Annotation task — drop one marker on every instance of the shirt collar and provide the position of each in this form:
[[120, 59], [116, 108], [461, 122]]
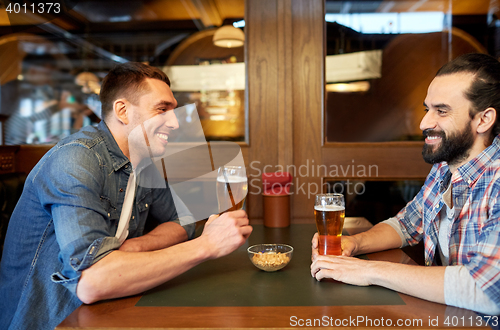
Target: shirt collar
[[119, 159], [445, 176], [472, 170]]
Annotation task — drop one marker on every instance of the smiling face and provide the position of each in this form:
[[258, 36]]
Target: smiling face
[[447, 125], [151, 121]]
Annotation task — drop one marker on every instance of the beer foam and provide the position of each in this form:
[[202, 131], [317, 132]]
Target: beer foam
[[329, 208], [231, 179]]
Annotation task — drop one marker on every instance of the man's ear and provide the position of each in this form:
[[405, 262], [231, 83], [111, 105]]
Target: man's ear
[[487, 119], [120, 110]]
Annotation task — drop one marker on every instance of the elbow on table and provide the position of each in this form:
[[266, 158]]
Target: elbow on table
[[493, 309], [86, 294], [89, 290]]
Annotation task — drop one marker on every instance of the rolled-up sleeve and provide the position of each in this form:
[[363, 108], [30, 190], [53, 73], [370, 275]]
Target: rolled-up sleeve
[[394, 223], [96, 251], [483, 258], [461, 290]]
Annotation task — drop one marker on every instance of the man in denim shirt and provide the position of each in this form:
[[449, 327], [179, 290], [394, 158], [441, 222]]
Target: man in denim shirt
[[61, 248], [457, 211]]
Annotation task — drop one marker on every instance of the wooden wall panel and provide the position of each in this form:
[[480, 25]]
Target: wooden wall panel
[[285, 76], [262, 58], [375, 161], [284, 56], [29, 155], [308, 99]]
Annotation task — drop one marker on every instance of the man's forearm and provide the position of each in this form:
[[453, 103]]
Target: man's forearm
[[163, 236], [121, 274], [380, 237], [418, 281]]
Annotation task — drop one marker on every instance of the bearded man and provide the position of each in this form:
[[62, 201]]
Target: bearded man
[[457, 211]]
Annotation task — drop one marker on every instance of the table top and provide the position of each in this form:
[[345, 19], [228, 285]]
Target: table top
[[231, 293]]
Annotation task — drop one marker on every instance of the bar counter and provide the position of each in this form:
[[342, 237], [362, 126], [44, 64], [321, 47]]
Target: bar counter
[[230, 292]]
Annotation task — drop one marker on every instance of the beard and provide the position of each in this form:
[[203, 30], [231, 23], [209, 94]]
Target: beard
[[453, 148]]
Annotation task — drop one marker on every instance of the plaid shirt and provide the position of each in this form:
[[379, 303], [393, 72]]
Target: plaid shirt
[[475, 233]]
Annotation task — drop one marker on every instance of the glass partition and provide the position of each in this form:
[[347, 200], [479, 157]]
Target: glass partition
[[382, 55], [51, 67], [213, 78]]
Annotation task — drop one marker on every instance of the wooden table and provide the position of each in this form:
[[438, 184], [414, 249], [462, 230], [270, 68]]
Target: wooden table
[[198, 312]]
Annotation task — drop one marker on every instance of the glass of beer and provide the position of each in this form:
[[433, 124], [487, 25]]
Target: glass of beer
[[232, 186], [329, 213]]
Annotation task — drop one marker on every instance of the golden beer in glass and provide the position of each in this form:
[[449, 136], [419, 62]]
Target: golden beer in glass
[[329, 213], [232, 187]]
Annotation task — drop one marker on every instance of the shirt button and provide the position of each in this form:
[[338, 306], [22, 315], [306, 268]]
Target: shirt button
[[109, 215], [469, 181], [146, 205], [126, 166], [121, 189], [133, 217]]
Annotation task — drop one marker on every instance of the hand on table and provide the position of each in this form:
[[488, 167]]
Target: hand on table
[[225, 233], [344, 269]]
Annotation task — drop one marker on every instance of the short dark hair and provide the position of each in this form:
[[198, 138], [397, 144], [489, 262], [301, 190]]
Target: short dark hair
[[127, 80], [484, 91]]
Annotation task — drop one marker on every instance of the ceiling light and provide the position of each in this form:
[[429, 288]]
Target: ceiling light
[[357, 66], [357, 86], [83, 78], [214, 77], [88, 80], [228, 36]]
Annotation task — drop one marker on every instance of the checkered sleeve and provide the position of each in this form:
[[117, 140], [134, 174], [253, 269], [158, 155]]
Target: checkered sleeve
[[410, 217], [484, 258]]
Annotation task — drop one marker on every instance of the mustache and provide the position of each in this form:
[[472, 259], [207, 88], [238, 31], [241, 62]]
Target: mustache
[[431, 132]]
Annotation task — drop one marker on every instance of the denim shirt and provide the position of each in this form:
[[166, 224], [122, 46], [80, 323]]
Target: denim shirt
[[65, 221]]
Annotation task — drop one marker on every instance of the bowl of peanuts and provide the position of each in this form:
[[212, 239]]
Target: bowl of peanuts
[[270, 257]]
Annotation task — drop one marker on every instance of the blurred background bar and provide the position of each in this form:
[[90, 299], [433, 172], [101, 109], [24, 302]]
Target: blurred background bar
[[329, 91]]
